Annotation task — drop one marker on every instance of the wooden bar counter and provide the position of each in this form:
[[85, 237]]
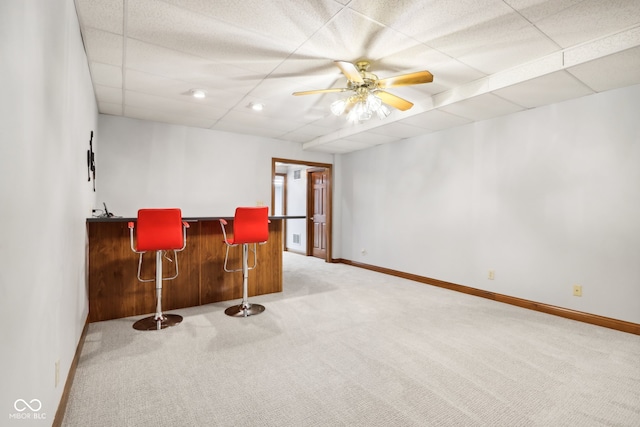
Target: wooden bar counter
[[115, 292]]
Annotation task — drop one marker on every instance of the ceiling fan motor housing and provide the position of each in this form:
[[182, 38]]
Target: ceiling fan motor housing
[[370, 79]]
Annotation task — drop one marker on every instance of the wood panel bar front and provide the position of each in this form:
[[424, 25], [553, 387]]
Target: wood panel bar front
[[115, 292]]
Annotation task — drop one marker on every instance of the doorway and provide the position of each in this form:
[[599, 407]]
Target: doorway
[[309, 196]]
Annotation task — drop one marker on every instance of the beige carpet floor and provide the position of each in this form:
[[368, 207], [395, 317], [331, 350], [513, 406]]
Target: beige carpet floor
[[343, 346]]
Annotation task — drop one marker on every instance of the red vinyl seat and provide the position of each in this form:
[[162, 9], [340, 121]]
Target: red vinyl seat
[[250, 227], [159, 230]]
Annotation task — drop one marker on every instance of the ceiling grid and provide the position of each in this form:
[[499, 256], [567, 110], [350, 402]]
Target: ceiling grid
[[488, 58]]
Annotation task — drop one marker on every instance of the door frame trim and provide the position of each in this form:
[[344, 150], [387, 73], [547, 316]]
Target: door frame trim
[[309, 166]]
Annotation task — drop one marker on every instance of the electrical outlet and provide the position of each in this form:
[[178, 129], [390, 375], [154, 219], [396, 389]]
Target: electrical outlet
[[492, 274], [577, 290], [57, 373]]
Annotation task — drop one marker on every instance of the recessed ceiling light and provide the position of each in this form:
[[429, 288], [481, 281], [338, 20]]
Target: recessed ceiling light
[[198, 93], [256, 106]]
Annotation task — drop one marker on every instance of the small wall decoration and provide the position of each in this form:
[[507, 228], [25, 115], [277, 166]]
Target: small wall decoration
[[91, 163]]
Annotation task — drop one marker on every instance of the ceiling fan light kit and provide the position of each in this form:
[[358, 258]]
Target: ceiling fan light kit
[[368, 97], [361, 108]]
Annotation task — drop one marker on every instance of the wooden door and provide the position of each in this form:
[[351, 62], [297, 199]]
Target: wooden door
[[317, 236]]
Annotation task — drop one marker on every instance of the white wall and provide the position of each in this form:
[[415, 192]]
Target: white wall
[[47, 113], [203, 172], [547, 198]]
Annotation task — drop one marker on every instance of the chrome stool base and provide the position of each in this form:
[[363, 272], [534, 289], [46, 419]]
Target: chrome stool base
[[151, 324], [244, 310]]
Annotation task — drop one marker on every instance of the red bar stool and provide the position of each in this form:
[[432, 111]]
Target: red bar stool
[[159, 230], [250, 226]]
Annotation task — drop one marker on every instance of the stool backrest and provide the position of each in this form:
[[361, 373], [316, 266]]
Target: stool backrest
[[251, 225], [159, 229]]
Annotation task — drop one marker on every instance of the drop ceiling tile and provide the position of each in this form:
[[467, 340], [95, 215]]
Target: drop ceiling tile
[[103, 47], [506, 50], [108, 108], [484, 35], [351, 36], [307, 133], [256, 119], [179, 90], [163, 24], [160, 61], [315, 107], [439, 18], [330, 121], [482, 107], [108, 94], [590, 19], [277, 110], [496, 44], [171, 106], [312, 130], [309, 67], [460, 93], [610, 72], [297, 83], [602, 47], [320, 116], [105, 15], [446, 70], [311, 109], [266, 17], [299, 137], [399, 14], [106, 75], [536, 10], [162, 86], [166, 117], [551, 88]]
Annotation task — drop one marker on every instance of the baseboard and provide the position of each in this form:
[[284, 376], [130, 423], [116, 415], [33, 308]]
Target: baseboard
[[606, 322], [62, 406]]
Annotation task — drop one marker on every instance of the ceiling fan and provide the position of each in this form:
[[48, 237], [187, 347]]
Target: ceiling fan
[[368, 94]]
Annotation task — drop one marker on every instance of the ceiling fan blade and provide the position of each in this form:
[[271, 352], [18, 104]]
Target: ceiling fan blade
[[393, 100], [406, 79], [313, 92], [350, 71]]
